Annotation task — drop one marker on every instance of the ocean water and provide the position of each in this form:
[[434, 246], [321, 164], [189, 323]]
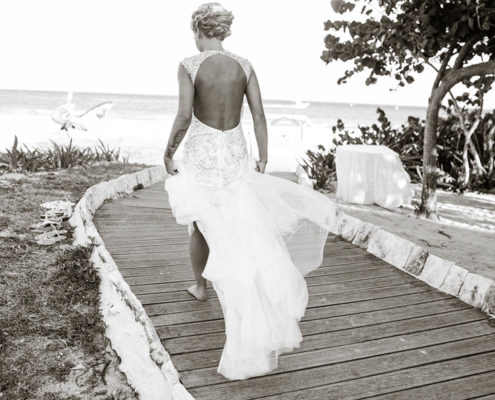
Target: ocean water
[[140, 124]]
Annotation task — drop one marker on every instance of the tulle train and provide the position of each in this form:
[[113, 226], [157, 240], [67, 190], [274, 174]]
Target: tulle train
[[264, 233]]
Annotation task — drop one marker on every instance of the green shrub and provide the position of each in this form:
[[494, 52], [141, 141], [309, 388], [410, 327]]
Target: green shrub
[[407, 141]]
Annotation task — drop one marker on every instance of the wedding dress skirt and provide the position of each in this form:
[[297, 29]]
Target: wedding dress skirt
[[264, 234]]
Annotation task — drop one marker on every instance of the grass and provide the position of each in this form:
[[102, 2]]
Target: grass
[[56, 156], [52, 343]]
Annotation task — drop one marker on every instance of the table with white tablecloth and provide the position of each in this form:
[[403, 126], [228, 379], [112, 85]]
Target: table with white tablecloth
[[368, 174]]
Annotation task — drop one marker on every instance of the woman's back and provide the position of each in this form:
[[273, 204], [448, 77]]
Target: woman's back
[[220, 79]]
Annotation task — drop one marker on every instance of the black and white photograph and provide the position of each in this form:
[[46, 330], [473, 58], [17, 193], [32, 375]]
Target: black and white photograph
[[289, 200]]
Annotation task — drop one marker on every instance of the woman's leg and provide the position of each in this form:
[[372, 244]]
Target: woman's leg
[[198, 250]]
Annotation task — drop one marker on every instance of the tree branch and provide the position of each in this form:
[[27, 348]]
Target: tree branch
[[443, 67], [464, 52]]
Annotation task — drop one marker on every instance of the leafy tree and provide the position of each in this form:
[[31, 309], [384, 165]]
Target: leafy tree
[[454, 37]]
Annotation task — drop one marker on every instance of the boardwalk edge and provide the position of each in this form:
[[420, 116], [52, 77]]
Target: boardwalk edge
[[144, 360], [441, 274]]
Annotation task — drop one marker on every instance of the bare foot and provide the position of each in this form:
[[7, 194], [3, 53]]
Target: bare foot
[[198, 292]]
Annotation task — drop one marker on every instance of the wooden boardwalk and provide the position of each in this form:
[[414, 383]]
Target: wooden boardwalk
[[370, 330]]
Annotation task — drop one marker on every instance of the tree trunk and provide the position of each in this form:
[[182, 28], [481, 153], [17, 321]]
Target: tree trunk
[[428, 206], [465, 149], [476, 158], [490, 146]]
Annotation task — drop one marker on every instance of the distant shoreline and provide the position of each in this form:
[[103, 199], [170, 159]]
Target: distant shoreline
[[267, 100]]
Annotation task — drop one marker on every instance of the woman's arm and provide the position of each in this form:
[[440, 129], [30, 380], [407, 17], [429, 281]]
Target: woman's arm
[[182, 119], [253, 95]]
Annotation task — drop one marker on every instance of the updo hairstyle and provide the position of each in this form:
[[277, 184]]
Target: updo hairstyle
[[212, 20]]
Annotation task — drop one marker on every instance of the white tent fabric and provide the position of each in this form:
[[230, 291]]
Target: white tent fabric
[[368, 174]]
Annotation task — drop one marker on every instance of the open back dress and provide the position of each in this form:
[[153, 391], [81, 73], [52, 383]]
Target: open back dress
[[264, 234]]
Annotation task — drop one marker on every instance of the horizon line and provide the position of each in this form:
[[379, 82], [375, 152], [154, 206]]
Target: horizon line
[[174, 95]]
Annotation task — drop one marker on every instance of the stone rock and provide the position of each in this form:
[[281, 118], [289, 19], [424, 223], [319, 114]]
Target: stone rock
[[157, 173], [300, 171], [488, 305], [390, 248], [333, 220], [363, 234], [474, 289], [143, 177], [179, 392], [435, 271], [348, 227], [305, 181], [170, 372], [416, 260], [454, 280]]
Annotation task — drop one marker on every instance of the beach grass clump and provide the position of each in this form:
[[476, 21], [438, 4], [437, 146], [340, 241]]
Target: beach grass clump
[[20, 158], [103, 152]]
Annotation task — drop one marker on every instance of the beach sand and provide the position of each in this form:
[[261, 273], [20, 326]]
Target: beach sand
[[465, 233]]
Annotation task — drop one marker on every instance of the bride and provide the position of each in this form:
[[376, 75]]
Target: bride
[[253, 235]]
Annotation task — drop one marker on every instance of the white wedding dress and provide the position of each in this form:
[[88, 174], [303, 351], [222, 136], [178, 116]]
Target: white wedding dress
[[264, 234]]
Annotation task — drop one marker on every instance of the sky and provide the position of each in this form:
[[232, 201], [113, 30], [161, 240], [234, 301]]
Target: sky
[[131, 46]]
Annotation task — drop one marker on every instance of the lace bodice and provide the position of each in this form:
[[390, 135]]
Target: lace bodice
[[191, 64], [215, 158]]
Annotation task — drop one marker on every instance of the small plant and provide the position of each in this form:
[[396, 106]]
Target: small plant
[[105, 153], [320, 166], [67, 156], [18, 159], [11, 157], [56, 156]]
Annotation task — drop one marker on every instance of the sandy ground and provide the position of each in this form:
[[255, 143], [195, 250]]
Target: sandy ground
[[465, 233]]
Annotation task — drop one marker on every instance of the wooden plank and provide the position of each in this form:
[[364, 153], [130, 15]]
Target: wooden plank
[[349, 252], [478, 386], [310, 372], [318, 297], [313, 312], [119, 240], [388, 382], [146, 243], [393, 281], [329, 262], [333, 338], [341, 352], [310, 281], [342, 268], [183, 247], [342, 322], [155, 261], [315, 300], [162, 248], [339, 277], [116, 207]]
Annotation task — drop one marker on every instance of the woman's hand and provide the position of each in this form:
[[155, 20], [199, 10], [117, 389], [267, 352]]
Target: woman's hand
[[260, 166], [169, 166]]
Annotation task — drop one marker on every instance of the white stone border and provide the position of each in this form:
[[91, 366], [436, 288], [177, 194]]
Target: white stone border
[[144, 360], [441, 274]]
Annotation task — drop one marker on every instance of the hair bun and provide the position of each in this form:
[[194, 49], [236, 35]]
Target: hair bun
[[212, 20]]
